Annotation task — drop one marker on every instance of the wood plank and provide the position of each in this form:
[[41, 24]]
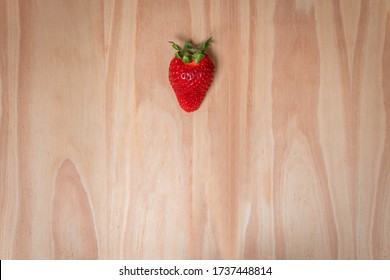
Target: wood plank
[[287, 158]]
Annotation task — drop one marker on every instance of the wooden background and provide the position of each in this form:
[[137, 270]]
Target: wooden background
[[287, 158]]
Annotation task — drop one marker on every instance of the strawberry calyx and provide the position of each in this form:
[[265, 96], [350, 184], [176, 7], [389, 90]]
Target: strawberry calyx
[[191, 52]]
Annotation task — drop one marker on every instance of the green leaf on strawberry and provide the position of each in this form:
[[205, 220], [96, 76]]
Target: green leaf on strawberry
[[198, 57], [187, 45], [190, 52]]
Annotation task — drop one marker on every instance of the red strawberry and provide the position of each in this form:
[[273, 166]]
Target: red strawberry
[[190, 74]]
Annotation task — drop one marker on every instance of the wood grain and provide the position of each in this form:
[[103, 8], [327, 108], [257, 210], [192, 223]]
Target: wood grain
[[287, 158]]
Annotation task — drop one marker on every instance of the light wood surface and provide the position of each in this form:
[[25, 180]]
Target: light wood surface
[[287, 158]]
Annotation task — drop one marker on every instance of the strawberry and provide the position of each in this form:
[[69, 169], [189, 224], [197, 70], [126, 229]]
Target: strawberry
[[190, 74]]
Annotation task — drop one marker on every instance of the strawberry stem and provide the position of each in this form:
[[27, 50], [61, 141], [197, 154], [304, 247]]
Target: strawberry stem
[[191, 52]]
